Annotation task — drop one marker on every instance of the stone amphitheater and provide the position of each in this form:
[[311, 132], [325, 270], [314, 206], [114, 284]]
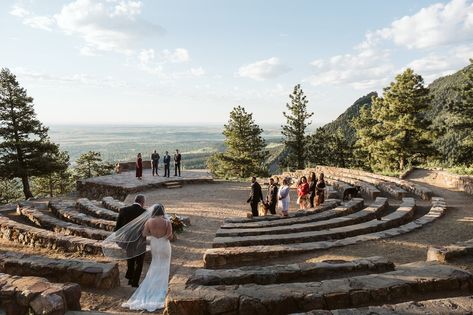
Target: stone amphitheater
[[403, 246]]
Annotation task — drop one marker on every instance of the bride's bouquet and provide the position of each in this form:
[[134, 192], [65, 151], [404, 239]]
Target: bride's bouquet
[[178, 224]]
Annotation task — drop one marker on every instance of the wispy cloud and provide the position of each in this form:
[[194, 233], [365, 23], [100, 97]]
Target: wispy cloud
[[264, 69]]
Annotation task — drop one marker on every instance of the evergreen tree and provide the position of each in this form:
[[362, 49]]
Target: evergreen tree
[[25, 149], [245, 148], [330, 149], [90, 164], [10, 190], [399, 133], [56, 183], [295, 139], [365, 137], [461, 119]]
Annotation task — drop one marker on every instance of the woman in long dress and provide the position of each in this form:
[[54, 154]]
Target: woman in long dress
[[151, 293], [283, 196], [139, 166]]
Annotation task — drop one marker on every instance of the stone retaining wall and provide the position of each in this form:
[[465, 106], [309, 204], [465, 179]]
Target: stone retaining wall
[[85, 273], [460, 182], [130, 166], [34, 295]]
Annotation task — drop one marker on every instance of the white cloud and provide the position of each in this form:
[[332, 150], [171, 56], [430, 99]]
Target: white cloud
[[103, 25], [197, 72], [264, 69], [177, 56]]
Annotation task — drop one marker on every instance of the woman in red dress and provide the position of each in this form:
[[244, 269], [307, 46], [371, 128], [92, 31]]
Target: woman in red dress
[[303, 193], [139, 166]]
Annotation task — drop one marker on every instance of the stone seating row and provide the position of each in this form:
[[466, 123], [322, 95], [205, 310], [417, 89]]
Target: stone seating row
[[113, 204], [65, 210], [369, 190], [402, 214], [450, 252], [36, 237], [328, 204], [343, 218], [409, 281], [348, 207], [220, 257], [302, 272], [452, 305], [89, 207], [34, 295], [421, 191], [48, 222], [339, 186], [86, 273]]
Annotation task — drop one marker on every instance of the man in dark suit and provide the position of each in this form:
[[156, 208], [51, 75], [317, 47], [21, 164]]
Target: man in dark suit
[[177, 163], [166, 161], [155, 161], [272, 197], [126, 215], [256, 196]]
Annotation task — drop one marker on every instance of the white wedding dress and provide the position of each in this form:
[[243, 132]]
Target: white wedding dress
[[151, 293]]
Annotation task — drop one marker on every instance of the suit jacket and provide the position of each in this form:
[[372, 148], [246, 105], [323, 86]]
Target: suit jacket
[[167, 159], [256, 194], [272, 194], [177, 158], [128, 214]]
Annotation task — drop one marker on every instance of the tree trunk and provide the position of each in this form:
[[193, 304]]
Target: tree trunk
[[26, 187], [401, 163]]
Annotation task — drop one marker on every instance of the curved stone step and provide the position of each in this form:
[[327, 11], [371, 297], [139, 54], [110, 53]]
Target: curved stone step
[[400, 216], [451, 305], [343, 218], [65, 210], [249, 222], [87, 206], [35, 237], [370, 190], [48, 222], [415, 280], [303, 272], [34, 295], [349, 207], [219, 257], [113, 204], [85, 273]]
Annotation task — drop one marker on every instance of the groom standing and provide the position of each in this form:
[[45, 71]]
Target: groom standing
[[126, 215]]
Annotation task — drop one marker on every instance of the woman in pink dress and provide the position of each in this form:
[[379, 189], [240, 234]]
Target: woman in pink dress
[[139, 166]]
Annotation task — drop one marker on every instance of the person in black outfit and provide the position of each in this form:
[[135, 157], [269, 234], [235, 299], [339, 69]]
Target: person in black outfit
[[167, 162], [256, 196], [177, 163], [155, 161], [126, 215], [312, 184], [272, 197]]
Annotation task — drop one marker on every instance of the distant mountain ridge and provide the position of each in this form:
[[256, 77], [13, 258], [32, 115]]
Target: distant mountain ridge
[[442, 90]]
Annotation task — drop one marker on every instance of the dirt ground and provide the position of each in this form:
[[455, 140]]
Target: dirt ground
[[208, 204]]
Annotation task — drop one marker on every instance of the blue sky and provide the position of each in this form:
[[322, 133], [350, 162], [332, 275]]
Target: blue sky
[[156, 62]]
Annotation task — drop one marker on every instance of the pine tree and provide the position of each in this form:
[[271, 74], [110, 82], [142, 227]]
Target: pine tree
[[245, 148], [399, 130], [90, 164], [461, 119], [295, 139], [56, 183], [318, 151], [365, 138], [25, 148], [10, 190]]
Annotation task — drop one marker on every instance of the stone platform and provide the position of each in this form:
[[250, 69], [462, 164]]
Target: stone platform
[[120, 185]]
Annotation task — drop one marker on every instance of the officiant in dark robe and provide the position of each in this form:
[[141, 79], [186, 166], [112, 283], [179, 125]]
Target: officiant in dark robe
[[126, 215]]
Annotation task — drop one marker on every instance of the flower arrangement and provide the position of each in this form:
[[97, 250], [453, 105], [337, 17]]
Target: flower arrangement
[[178, 224]]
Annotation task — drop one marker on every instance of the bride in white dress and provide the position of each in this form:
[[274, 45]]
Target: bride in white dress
[[151, 293]]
